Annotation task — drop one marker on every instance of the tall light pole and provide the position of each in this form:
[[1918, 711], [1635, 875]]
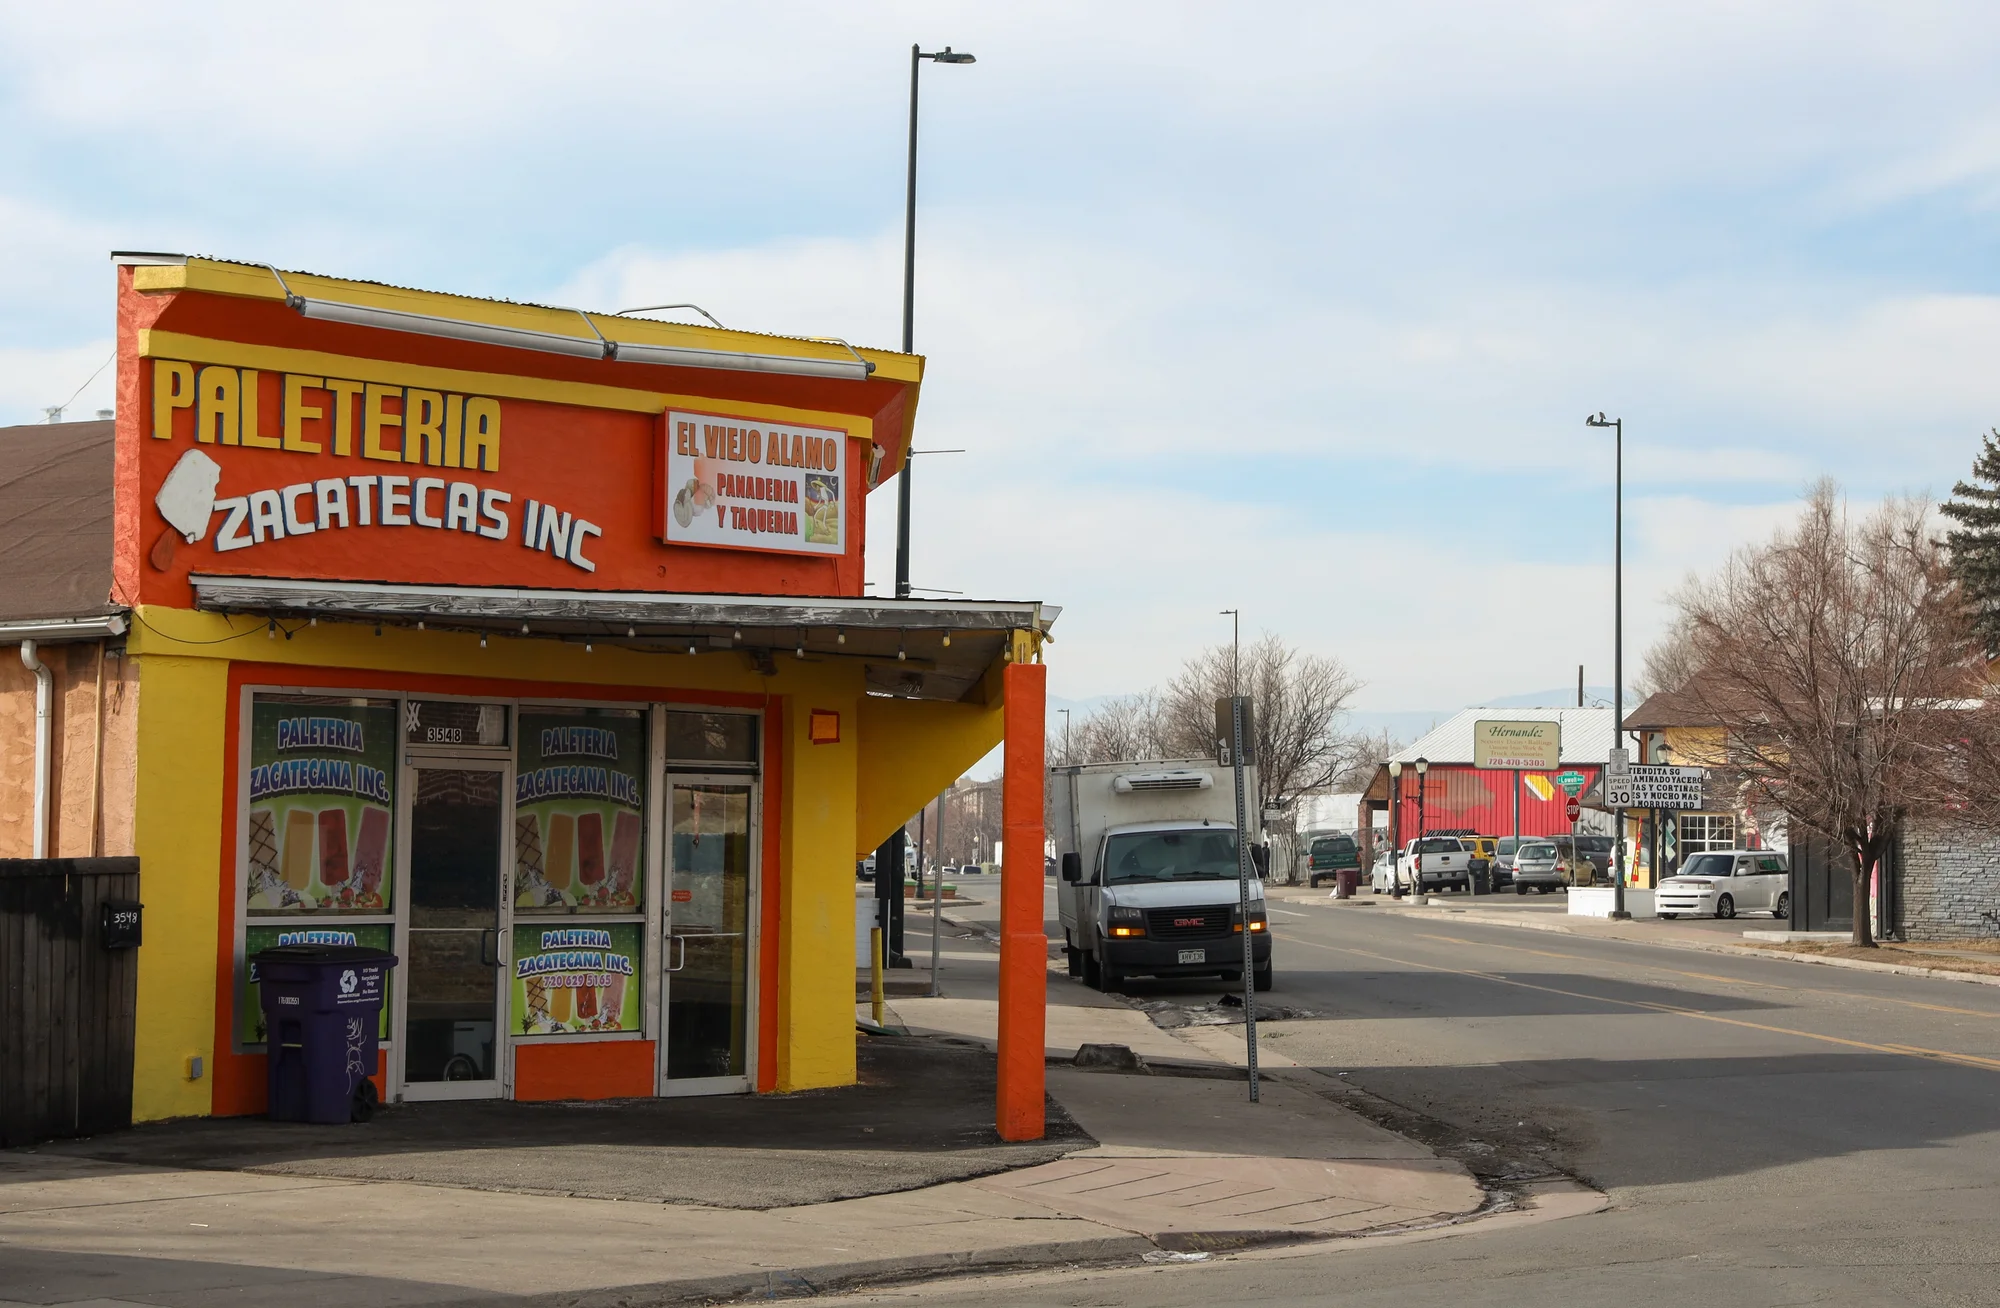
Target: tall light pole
[[917, 56], [1617, 426], [1395, 829], [1235, 617], [1066, 754]]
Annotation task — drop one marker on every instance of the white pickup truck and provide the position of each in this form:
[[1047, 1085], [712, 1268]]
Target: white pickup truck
[[1438, 863]]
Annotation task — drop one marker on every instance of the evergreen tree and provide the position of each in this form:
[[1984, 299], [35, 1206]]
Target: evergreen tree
[[1975, 543]]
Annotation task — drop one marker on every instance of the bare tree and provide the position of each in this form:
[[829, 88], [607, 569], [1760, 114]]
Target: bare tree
[[1123, 728], [1297, 698], [1364, 752], [1669, 662], [1841, 658]]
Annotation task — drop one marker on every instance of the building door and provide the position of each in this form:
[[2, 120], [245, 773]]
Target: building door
[[454, 952], [709, 955]]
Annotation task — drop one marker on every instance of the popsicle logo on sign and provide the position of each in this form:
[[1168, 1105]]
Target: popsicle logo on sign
[[578, 804], [744, 483], [321, 793]]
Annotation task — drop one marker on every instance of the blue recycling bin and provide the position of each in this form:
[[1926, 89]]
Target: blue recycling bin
[[322, 1019]]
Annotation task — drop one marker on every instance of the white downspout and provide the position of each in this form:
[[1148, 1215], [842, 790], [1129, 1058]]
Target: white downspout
[[44, 696]]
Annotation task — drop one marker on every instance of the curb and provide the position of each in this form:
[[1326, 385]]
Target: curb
[[1740, 951], [825, 1278]]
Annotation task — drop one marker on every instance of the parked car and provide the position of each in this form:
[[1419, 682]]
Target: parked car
[[1439, 863], [1723, 883], [1382, 874], [1329, 856], [1539, 866], [1588, 859], [1503, 859]]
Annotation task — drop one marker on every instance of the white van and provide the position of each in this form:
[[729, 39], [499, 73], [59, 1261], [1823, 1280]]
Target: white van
[[1725, 882]]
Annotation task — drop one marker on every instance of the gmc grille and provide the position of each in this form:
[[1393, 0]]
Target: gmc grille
[[1188, 923]]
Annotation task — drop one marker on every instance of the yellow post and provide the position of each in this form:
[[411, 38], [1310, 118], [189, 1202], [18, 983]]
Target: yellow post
[[875, 971]]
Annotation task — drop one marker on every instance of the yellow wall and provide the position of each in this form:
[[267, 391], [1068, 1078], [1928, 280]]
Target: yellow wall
[[911, 750], [177, 831], [816, 903], [892, 756]]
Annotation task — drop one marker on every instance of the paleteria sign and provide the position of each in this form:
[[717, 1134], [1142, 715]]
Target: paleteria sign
[[1535, 746]]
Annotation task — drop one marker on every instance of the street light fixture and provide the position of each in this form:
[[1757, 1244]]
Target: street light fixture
[[1617, 426], [917, 56], [1423, 765]]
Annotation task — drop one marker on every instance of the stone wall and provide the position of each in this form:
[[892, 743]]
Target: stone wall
[[1951, 883]]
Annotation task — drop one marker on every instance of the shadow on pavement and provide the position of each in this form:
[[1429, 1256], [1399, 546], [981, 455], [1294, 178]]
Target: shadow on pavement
[[923, 1114], [50, 1277], [1657, 1121]]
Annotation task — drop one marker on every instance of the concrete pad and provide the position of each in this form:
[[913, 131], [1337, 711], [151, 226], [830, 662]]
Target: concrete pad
[[1160, 1198], [1174, 1116]]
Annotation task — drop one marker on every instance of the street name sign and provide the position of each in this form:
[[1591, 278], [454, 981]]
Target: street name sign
[[1516, 745], [1652, 785], [1571, 781]]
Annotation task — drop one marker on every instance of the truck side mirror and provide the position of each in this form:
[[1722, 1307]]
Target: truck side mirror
[[1260, 858], [1072, 867]]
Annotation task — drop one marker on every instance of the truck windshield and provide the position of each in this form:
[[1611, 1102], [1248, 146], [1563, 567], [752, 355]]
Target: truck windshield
[[1199, 855]]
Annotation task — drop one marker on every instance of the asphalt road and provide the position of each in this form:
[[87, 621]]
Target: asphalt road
[[1768, 1132]]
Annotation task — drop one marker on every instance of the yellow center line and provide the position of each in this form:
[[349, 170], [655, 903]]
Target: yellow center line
[[1905, 1051], [1728, 980]]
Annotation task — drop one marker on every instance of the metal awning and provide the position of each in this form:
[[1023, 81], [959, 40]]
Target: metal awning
[[917, 649]]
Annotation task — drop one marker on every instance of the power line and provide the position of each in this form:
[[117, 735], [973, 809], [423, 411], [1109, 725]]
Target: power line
[[56, 413]]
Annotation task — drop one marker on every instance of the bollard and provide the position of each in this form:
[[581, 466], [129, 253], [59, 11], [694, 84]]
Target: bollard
[[875, 971]]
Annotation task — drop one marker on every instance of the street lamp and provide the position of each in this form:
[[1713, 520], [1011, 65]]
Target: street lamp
[[1617, 426], [1423, 765], [917, 56], [1395, 829]]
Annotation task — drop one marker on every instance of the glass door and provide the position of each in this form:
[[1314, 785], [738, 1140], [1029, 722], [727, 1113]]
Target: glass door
[[454, 956], [707, 957]]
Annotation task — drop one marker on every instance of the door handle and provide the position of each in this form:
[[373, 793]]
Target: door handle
[[682, 942], [489, 947]]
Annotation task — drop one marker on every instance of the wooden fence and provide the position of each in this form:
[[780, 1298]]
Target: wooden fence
[[66, 998]]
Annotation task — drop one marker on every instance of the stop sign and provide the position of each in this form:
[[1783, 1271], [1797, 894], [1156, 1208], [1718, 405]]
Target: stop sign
[[1572, 809]]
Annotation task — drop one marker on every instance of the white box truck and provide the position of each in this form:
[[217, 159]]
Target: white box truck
[[1147, 874]]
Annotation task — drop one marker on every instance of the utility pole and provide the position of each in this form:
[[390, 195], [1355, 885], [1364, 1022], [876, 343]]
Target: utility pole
[[1617, 426]]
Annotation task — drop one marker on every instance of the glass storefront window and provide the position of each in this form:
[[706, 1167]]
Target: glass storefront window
[[579, 811], [322, 777], [712, 739]]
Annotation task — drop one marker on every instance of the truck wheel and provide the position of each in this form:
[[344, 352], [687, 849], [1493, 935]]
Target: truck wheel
[[1073, 958], [1092, 975], [1520, 889], [1262, 977]]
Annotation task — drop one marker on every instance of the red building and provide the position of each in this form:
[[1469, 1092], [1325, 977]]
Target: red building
[[1490, 801]]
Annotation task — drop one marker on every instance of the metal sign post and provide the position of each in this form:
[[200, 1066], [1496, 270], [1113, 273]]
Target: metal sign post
[[1239, 712]]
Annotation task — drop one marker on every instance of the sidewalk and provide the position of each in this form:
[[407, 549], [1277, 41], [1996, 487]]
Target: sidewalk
[[664, 1202]]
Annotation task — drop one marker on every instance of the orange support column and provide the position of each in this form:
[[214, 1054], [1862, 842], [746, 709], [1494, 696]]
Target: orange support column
[[1024, 949]]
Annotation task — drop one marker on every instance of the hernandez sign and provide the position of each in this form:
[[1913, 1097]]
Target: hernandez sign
[[1517, 745], [766, 486]]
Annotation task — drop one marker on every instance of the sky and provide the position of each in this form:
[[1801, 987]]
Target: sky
[[1292, 309]]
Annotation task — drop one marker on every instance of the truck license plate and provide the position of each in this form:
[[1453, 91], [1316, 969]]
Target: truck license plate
[[1194, 956]]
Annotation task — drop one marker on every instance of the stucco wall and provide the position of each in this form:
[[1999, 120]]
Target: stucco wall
[[75, 758], [1951, 883]]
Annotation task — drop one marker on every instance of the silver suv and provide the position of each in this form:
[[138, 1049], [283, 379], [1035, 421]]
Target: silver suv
[[1538, 866]]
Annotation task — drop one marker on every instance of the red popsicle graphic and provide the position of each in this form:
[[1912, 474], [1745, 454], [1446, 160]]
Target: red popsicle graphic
[[590, 848], [370, 850], [624, 852], [333, 846]]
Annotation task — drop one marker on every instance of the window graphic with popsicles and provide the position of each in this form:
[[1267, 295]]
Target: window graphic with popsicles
[[579, 793], [569, 979], [320, 783]]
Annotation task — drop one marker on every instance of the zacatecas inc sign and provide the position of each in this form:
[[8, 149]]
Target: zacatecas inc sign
[[741, 483], [1516, 745]]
